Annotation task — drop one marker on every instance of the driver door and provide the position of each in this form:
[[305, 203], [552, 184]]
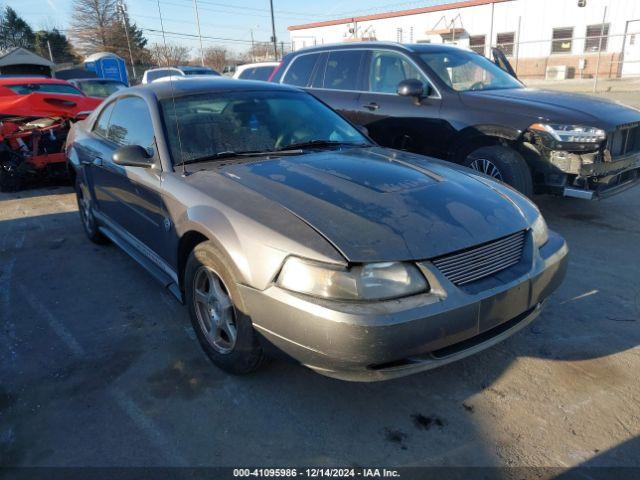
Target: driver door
[[131, 197], [395, 121]]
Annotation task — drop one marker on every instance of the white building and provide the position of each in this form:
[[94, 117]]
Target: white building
[[543, 38]]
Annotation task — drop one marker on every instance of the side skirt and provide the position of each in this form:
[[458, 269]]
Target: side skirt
[[141, 254]]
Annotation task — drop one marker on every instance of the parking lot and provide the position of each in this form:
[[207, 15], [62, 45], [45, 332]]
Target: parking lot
[[100, 367]]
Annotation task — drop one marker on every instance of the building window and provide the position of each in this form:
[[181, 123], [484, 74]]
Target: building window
[[505, 42], [562, 40], [476, 43], [593, 40], [399, 35]]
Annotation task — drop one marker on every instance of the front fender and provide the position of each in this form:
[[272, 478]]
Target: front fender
[[481, 135]]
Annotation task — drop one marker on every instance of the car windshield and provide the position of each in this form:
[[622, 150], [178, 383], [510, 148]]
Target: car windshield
[[207, 125], [27, 88], [465, 71], [101, 88]]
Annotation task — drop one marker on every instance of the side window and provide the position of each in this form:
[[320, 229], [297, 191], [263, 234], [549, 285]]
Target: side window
[[248, 74], [131, 123], [101, 127], [341, 72], [388, 69], [300, 70], [151, 76]]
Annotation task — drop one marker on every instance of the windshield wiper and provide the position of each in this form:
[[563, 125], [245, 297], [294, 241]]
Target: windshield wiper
[[232, 154], [324, 144]]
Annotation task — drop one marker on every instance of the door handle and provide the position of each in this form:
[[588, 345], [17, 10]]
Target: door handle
[[371, 106]]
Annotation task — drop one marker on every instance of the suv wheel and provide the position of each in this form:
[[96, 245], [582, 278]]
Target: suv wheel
[[89, 223], [218, 314], [504, 164]]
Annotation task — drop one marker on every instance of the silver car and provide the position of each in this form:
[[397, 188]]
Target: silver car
[[284, 228]]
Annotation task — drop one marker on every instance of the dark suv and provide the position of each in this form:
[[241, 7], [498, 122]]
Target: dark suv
[[454, 104]]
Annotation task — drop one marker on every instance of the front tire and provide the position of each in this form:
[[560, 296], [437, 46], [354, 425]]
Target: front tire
[[504, 164], [218, 314]]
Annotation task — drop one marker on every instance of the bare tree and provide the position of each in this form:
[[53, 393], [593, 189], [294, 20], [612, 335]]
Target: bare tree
[[92, 24], [216, 57], [169, 55]]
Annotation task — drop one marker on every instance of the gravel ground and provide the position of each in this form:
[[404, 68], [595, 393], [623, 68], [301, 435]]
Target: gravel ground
[[99, 367]]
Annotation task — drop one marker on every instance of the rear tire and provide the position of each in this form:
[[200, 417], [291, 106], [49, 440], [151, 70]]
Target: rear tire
[[504, 164], [218, 314], [89, 222]]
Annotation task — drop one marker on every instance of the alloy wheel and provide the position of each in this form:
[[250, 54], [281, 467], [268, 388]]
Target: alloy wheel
[[214, 310], [487, 167]]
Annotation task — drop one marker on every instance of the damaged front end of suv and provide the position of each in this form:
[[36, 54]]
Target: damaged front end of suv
[[582, 161]]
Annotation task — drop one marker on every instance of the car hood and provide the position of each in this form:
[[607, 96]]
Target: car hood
[[375, 204], [553, 106]]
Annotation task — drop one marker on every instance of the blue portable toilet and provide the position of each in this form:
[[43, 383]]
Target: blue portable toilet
[[107, 65]]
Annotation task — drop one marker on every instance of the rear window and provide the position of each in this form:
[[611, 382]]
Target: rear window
[[300, 70], [341, 72], [256, 73], [200, 71], [28, 88], [156, 74]]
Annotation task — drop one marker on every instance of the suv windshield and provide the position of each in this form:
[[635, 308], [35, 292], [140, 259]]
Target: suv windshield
[[465, 71], [207, 125]]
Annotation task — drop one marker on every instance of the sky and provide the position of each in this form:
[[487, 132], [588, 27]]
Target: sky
[[230, 22]]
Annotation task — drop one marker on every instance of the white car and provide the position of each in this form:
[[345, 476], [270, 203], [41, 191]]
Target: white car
[[154, 74], [255, 71]]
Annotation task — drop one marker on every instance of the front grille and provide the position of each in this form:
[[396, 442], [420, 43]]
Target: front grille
[[479, 262], [625, 140]]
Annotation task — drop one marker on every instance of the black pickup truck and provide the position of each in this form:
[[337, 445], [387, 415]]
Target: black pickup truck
[[457, 105]]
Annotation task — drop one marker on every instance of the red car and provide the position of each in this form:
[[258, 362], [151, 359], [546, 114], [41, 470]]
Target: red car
[[35, 114]]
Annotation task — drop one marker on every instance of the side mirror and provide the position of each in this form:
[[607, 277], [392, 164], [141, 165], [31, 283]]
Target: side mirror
[[412, 87], [132, 156]]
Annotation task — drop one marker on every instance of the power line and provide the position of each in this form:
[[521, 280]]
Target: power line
[[208, 37]]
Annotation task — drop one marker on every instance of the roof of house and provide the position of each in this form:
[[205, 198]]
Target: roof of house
[[22, 56], [398, 13]]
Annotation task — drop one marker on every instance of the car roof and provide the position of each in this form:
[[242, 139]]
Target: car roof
[[23, 80], [192, 86], [407, 47], [259, 64]]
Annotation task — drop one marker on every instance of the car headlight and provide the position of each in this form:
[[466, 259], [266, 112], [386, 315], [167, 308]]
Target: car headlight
[[540, 231], [570, 133], [373, 281]]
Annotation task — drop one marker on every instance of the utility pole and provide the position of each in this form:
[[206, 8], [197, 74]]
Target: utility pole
[[50, 54], [195, 7], [122, 12], [273, 32], [595, 77], [253, 47]]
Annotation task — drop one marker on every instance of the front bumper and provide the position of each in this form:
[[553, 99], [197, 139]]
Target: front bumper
[[596, 179], [382, 340]]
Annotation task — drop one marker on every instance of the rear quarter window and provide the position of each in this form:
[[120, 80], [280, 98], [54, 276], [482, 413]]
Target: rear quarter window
[[300, 70]]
